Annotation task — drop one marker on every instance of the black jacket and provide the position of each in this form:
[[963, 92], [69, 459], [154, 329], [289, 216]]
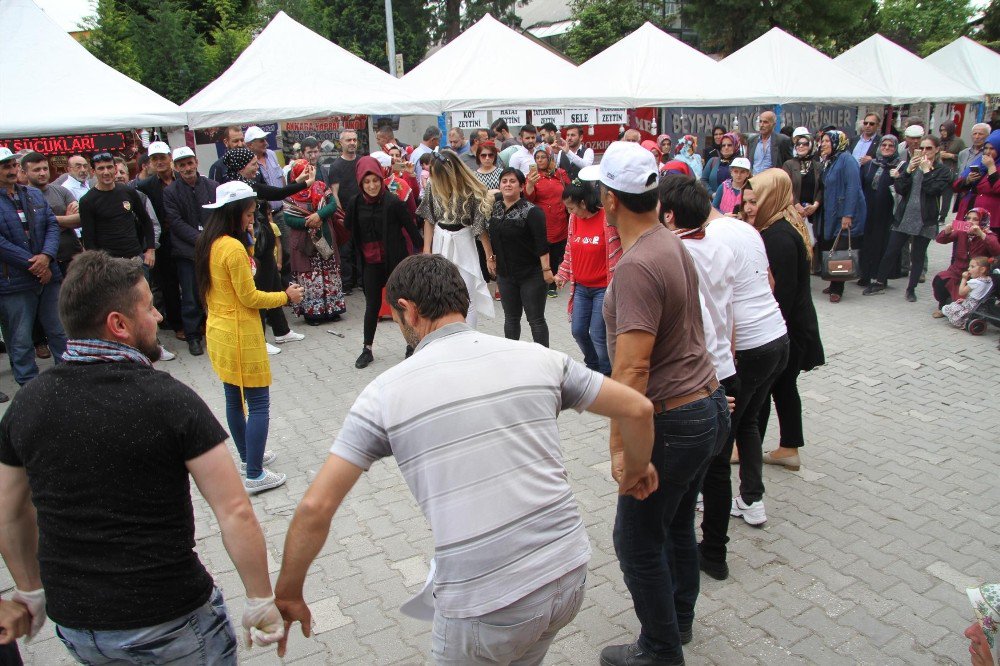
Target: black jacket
[[935, 182], [393, 218], [781, 149], [185, 215]]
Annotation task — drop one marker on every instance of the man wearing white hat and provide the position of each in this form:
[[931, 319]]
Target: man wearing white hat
[[657, 345], [183, 200]]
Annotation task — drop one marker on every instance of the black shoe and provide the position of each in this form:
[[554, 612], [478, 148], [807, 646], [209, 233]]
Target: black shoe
[[348, 291], [196, 346], [409, 351], [365, 358], [716, 570], [874, 289], [633, 655], [313, 322], [552, 293], [334, 317], [910, 296], [4, 397], [687, 635], [863, 282]]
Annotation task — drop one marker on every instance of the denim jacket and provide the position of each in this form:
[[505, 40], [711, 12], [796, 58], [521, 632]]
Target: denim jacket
[[17, 248], [843, 196]]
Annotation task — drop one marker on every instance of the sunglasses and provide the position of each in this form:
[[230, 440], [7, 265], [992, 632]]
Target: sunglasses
[[868, 123], [802, 143], [102, 157], [487, 154], [927, 147]]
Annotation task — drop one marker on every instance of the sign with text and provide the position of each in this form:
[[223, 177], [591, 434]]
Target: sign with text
[[70, 144], [581, 116], [470, 119], [327, 131], [699, 122], [612, 116], [210, 135], [513, 117], [541, 116]]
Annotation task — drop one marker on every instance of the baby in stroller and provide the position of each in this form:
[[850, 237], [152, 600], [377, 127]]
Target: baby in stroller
[[976, 289]]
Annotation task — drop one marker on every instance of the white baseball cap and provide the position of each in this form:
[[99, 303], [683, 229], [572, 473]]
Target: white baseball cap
[[182, 152], [229, 192], [914, 132], [253, 133], [801, 131], [384, 159], [740, 163], [158, 148], [5, 154], [626, 167]]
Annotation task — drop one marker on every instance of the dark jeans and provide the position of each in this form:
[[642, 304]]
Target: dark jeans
[[17, 319], [268, 279], [588, 327], [375, 277], [191, 313], [9, 655], [654, 538], [788, 405], [249, 430], [756, 371], [941, 293], [526, 295], [827, 244], [164, 273], [918, 253], [350, 271], [556, 253]]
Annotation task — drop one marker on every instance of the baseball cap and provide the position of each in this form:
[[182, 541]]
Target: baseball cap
[[914, 132], [182, 152], [740, 163], [230, 192], [158, 148], [384, 159], [5, 154], [801, 131], [253, 133], [626, 167]]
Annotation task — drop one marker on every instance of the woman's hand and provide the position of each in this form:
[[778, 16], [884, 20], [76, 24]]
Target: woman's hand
[[915, 162], [977, 231], [926, 164], [491, 265], [973, 177], [947, 229], [295, 293], [560, 283], [314, 221], [810, 209], [989, 163], [845, 223]]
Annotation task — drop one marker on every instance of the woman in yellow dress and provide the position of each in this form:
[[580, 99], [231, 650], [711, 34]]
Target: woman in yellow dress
[[224, 266]]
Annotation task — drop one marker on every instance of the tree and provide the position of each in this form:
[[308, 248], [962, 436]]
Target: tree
[[109, 38], [601, 23], [172, 56], [924, 25], [450, 17]]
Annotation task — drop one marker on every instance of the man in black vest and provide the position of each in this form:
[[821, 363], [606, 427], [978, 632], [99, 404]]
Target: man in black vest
[[573, 155]]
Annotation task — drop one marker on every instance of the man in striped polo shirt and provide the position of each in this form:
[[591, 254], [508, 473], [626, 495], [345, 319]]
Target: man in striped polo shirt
[[471, 420]]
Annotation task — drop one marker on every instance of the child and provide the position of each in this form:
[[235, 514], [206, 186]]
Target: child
[[972, 290]]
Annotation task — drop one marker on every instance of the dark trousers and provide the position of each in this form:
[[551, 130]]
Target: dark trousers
[[654, 538], [873, 248], [756, 370], [788, 405], [556, 253], [525, 295], [9, 655], [350, 270], [164, 274], [941, 293], [286, 253], [375, 277], [192, 314], [918, 253], [268, 279], [827, 245]]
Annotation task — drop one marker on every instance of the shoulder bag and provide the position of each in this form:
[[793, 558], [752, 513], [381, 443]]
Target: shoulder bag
[[840, 265]]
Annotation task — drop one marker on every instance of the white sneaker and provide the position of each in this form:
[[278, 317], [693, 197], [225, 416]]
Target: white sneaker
[[166, 355], [271, 349], [753, 514], [291, 336], [269, 457], [266, 482], [699, 506]]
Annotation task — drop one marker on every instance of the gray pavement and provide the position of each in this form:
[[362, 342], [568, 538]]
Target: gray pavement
[[863, 559]]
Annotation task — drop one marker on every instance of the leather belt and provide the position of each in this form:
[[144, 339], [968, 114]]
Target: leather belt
[[660, 406]]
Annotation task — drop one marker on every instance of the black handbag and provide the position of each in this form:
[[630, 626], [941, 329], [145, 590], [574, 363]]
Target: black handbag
[[840, 265]]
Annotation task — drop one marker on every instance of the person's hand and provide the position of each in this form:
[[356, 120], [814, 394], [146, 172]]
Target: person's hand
[[45, 277], [973, 177], [800, 209], [310, 175], [926, 164], [533, 177], [34, 601], [491, 265], [640, 486], [845, 223], [965, 275], [293, 610], [915, 162], [731, 403], [262, 621], [548, 277], [314, 221], [865, 160], [295, 293], [38, 264], [15, 621], [947, 228], [811, 208], [977, 231], [989, 163], [149, 257], [560, 283], [72, 208]]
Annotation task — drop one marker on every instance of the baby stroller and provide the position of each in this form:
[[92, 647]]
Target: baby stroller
[[988, 310]]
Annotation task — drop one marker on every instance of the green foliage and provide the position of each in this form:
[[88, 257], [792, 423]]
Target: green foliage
[[601, 23], [109, 38], [448, 18], [924, 25], [991, 24], [172, 55]]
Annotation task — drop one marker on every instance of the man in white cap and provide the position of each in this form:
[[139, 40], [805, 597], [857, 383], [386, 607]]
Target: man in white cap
[[183, 200], [656, 340]]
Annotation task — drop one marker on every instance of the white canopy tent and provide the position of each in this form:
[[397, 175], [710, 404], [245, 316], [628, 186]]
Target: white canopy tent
[[904, 76], [260, 86], [971, 63], [86, 94], [464, 75], [789, 70], [652, 68]]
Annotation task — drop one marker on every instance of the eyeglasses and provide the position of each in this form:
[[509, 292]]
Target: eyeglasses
[[102, 157], [867, 122], [802, 143], [927, 147], [487, 154]]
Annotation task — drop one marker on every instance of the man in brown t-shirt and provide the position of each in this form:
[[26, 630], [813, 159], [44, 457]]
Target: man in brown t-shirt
[[657, 345]]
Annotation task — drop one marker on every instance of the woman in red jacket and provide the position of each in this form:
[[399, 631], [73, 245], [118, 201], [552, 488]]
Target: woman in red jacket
[[544, 188], [978, 185], [973, 239]]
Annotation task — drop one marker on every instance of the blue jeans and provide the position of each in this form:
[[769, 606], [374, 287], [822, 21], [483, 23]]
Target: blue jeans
[[249, 431], [203, 637], [654, 538], [589, 329], [191, 313], [17, 317]]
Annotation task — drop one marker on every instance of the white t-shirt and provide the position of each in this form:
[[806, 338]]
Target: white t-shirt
[[522, 159], [757, 317], [978, 288], [716, 267]]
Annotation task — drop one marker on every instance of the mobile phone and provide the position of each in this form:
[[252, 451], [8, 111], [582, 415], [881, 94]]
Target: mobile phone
[[961, 226], [532, 167], [398, 166]]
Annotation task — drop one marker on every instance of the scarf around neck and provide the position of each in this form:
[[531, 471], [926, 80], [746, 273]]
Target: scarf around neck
[[94, 350]]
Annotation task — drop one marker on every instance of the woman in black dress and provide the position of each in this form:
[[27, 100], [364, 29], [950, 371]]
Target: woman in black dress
[[876, 181]]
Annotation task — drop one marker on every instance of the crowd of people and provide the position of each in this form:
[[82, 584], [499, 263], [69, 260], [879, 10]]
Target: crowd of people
[[688, 276]]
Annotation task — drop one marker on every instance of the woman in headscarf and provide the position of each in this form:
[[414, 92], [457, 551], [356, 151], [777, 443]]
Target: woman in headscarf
[[455, 207], [665, 144], [377, 220], [978, 185], [768, 206], [974, 239], [241, 165], [653, 148], [919, 184], [716, 169], [713, 148], [844, 208], [806, 173], [309, 215], [544, 188], [876, 181], [687, 152]]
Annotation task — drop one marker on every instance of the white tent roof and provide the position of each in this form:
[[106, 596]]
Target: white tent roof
[[971, 63], [85, 94], [792, 71], [653, 68], [904, 76], [260, 85], [464, 74]]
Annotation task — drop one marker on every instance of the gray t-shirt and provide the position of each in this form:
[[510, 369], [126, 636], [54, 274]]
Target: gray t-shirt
[[69, 242], [471, 420]]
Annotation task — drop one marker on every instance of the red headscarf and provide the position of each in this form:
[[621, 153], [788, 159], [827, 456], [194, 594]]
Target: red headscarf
[[676, 166], [369, 165], [312, 195]]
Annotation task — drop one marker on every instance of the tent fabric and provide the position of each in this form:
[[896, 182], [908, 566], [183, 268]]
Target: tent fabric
[[904, 76], [969, 62], [85, 94], [790, 70], [652, 68], [260, 86]]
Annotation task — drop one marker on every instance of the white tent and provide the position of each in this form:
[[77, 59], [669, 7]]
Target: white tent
[[904, 76], [652, 68], [289, 73], [789, 70], [971, 63], [490, 66], [50, 84]]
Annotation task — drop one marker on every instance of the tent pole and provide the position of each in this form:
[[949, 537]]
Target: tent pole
[[390, 35]]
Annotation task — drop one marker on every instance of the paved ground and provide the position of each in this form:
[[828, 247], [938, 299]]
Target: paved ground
[[863, 559]]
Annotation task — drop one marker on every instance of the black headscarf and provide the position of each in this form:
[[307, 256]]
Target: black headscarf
[[236, 159]]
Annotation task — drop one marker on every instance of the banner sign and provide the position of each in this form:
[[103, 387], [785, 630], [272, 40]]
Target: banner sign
[[208, 135], [612, 116], [513, 117], [581, 116], [470, 119], [541, 116], [699, 122], [69, 144], [327, 131]]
